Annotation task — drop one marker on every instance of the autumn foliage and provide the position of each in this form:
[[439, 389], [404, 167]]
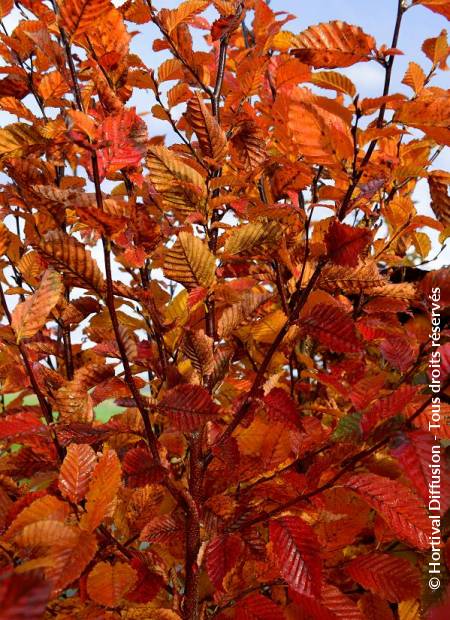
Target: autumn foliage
[[239, 271]]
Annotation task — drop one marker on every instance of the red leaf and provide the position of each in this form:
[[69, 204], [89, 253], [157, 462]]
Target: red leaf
[[388, 407], [188, 407], [281, 408], [402, 510], [393, 578], [258, 607], [295, 550], [332, 327], [140, 469], [346, 243], [222, 554], [399, 352], [148, 583], [19, 424], [24, 596], [123, 142], [413, 452]]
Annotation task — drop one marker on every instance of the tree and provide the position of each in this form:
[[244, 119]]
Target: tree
[[271, 361]]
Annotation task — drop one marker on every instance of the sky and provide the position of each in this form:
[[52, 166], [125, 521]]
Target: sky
[[375, 17]]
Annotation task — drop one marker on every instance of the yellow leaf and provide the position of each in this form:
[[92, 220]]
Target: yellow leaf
[[180, 185], [107, 584], [334, 81], [268, 327], [30, 316], [190, 262], [249, 236], [18, 138], [409, 610]]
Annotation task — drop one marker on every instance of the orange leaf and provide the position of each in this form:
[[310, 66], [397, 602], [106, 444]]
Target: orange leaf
[[107, 584], [76, 470], [333, 44], [78, 16], [102, 491], [31, 315]]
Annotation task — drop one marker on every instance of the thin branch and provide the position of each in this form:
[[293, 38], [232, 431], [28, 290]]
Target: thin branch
[[387, 82]]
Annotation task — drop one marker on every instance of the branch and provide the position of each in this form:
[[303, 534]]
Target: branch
[[387, 82]]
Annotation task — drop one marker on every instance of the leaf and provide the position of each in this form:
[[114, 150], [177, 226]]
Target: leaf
[[334, 81], [437, 6], [17, 424], [6, 6], [188, 407], [180, 185], [183, 13], [75, 472], [79, 16], [295, 550], [388, 406], [198, 347], [160, 529], [402, 510], [24, 596], [437, 50], [65, 564], [439, 182], [346, 243], [399, 352], [321, 136], [409, 610], [52, 87], [31, 315], [341, 605], [414, 77], [125, 137], [281, 408], [47, 507], [247, 237], [332, 327], [102, 491], [412, 451], [211, 137], [222, 555], [393, 578], [190, 262], [255, 606], [107, 584], [70, 256], [333, 44], [428, 112], [46, 533], [241, 312], [19, 139]]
